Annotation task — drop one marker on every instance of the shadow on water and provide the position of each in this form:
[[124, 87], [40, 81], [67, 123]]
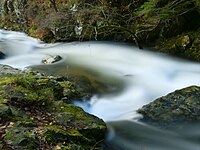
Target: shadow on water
[[93, 81], [129, 135]]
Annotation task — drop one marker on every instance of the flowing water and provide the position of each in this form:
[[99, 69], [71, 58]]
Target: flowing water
[[132, 77]]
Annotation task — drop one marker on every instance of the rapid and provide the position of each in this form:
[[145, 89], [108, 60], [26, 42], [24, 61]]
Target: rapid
[[133, 78]]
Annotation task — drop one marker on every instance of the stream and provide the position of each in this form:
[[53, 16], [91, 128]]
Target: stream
[[132, 77]]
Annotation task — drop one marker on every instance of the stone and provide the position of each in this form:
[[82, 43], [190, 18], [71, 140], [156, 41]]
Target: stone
[[35, 116], [183, 41], [179, 106], [8, 70], [51, 59]]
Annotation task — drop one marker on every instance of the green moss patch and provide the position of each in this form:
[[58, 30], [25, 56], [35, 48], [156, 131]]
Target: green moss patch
[[33, 115]]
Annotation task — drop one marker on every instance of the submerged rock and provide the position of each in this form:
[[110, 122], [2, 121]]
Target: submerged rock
[[33, 115], [181, 106]]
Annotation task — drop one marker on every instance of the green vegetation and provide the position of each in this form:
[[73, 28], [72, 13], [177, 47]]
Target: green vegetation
[[165, 19], [145, 22], [33, 115]]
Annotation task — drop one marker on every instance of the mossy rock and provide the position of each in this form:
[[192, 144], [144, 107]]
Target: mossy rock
[[70, 91], [181, 106], [28, 90], [186, 45], [5, 112], [83, 123], [21, 137], [34, 115]]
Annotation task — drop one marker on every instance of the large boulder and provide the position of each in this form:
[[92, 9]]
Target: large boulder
[[34, 114], [181, 106]]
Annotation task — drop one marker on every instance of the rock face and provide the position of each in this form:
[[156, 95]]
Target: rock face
[[181, 106], [33, 115]]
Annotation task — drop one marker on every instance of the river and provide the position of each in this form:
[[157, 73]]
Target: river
[[132, 77]]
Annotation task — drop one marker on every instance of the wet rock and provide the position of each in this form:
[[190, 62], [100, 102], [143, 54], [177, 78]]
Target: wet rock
[[8, 70], [51, 59], [36, 117], [2, 55], [179, 106]]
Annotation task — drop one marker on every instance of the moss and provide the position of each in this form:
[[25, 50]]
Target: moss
[[70, 92], [185, 45], [34, 112], [179, 106], [55, 134], [4, 112], [70, 115], [21, 137], [26, 91]]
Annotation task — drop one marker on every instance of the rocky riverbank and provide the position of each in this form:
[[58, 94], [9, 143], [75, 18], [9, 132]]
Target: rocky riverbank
[[35, 114]]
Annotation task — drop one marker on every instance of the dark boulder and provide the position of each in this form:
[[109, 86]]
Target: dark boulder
[[181, 106]]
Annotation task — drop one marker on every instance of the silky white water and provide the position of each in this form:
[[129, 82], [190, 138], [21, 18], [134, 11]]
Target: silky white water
[[145, 77]]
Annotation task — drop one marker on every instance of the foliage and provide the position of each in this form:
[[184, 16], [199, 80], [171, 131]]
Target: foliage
[[165, 19]]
